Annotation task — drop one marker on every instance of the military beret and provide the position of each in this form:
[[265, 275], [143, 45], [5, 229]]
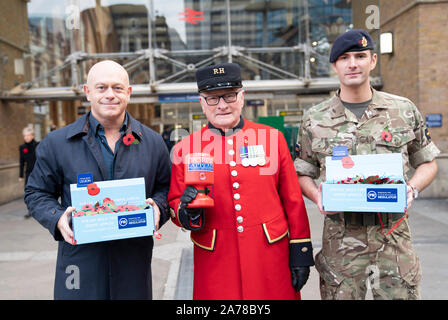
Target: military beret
[[219, 76], [350, 41]]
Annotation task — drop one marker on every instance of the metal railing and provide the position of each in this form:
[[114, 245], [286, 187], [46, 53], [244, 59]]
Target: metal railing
[[287, 81]]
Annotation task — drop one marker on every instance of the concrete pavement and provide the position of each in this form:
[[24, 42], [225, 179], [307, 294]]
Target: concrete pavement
[[28, 254]]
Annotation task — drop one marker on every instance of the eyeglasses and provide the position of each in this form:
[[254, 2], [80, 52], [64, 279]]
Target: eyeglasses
[[228, 98]]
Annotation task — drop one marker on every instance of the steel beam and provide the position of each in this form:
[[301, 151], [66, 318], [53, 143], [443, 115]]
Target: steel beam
[[294, 86]]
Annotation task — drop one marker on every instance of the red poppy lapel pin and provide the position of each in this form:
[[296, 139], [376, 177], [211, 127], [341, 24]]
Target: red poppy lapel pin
[[386, 135], [129, 139], [25, 150]]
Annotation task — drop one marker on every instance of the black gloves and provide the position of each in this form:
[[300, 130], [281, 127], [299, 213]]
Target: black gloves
[[188, 195], [299, 276], [190, 218], [300, 260]]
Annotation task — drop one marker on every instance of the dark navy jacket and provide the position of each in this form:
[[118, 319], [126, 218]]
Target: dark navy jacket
[[118, 269]]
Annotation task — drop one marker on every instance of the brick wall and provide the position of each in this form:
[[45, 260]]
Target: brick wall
[[417, 70], [10, 187], [433, 66], [13, 116], [400, 70]]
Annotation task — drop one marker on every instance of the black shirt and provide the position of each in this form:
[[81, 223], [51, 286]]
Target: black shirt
[[357, 108]]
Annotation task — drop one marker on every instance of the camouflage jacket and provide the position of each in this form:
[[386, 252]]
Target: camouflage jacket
[[330, 124]]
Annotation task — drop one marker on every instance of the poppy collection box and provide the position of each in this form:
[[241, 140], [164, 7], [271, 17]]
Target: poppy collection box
[[364, 183], [110, 210]]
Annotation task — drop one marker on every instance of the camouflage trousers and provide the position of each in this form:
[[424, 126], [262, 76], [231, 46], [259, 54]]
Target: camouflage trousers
[[356, 258]]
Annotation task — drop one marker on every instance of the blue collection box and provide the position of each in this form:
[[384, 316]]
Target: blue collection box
[[111, 210], [364, 197]]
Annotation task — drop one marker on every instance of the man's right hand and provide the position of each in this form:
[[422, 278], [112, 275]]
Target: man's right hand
[[64, 225]]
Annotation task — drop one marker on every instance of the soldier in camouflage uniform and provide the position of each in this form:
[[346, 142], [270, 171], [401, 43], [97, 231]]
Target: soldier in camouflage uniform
[[364, 250]]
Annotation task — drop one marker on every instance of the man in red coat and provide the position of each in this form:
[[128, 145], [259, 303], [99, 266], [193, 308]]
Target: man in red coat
[[254, 243]]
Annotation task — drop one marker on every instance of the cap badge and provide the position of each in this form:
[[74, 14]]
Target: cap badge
[[363, 42], [218, 71]]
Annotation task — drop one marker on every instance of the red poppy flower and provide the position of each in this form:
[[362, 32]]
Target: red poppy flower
[[121, 208], [87, 207], [347, 163], [128, 139], [25, 150], [93, 189], [107, 201], [107, 210], [386, 136], [131, 207]]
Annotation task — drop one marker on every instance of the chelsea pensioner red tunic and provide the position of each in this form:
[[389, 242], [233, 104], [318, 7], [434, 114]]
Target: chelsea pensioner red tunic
[[242, 252]]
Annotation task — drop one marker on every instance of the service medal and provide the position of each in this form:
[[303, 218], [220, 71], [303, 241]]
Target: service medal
[[252, 156]]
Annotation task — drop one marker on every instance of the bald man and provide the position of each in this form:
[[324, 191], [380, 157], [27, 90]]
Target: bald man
[[95, 144]]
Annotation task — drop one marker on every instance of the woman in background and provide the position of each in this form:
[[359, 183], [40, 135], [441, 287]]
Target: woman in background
[[27, 156]]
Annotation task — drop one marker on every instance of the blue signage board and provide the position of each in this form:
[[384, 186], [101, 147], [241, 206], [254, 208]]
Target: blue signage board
[[434, 120], [255, 103], [181, 97]]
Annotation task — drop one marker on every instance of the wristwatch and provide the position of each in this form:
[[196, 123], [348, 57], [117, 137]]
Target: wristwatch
[[414, 191]]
